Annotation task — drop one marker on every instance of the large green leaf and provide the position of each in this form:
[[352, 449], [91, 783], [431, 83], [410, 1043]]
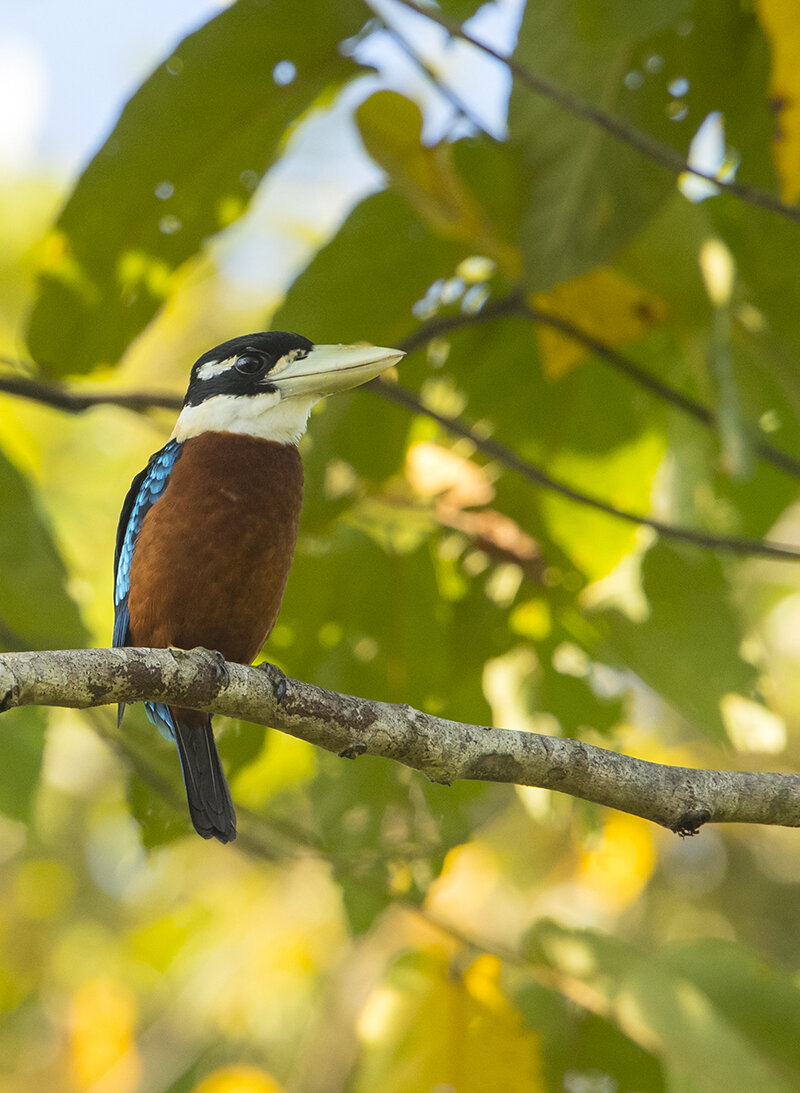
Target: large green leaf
[[159, 822], [760, 1001], [365, 282], [370, 621], [613, 455], [459, 9], [688, 648], [35, 610], [703, 1021], [588, 194], [766, 249], [577, 1044], [181, 164], [388, 828]]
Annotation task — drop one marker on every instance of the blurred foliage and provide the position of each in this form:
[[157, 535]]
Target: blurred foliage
[[162, 183], [371, 930]]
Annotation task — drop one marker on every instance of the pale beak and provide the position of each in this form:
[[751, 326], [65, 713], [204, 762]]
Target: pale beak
[[329, 368]]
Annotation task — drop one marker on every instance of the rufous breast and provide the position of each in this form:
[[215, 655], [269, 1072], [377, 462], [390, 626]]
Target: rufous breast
[[212, 558]]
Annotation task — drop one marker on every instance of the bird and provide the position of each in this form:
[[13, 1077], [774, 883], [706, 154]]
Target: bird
[[208, 528]]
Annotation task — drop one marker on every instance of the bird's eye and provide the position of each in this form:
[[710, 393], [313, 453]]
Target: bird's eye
[[249, 364]]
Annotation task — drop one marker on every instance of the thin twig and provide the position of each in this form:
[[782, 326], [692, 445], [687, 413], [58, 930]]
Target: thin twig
[[75, 402], [401, 396], [513, 306], [701, 413], [679, 798], [443, 89], [637, 139]]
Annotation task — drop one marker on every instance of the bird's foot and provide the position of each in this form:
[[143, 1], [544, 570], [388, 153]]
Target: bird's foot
[[276, 678], [216, 663]]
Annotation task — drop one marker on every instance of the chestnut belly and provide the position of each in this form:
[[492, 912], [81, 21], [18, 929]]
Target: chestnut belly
[[212, 559]]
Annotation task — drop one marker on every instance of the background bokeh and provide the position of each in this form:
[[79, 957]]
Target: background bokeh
[[349, 172]]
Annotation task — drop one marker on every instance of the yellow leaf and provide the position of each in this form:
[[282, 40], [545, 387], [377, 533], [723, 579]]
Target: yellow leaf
[[532, 619], [429, 1028], [618, 868], [238, 1079], [782, 26], [391, 128], [602, 304], [102, 1047], [281, 763]]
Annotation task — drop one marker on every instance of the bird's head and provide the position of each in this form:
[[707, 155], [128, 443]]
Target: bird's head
[[265, 384]]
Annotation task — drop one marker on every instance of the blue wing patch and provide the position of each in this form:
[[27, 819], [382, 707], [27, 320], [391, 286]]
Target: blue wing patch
[[161, 716], [145, 490]]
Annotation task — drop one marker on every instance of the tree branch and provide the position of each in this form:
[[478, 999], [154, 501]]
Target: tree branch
[[510, 306], [443, 89], [531, 472], [401, 396], [703, 414], [76, 401], [640, 141], [513, 306], [679, 798]]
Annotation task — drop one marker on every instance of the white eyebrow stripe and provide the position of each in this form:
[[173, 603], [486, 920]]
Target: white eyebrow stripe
[[210, 369], [284, 362]]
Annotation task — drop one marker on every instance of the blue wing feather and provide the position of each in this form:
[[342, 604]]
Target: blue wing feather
[[145, 490]]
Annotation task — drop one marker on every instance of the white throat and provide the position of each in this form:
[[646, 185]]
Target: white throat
[[266, 416]]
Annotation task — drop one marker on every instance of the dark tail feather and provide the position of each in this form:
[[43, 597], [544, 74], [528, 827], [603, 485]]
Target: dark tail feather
[[210, 804]]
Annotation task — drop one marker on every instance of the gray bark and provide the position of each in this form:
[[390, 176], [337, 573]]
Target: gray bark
[[679, 798]]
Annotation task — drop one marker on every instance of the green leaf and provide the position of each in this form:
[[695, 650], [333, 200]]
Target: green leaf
[[239, 745], [675, 234], [363, 285], [687, 648], [696, 1039], [574, 703], [389, 829], [357, 438], [159, 822], [588, 194], [613, 455], [766, 250], [761, 1002], [181, 164], [367, 620], [577, 1043], [35, 610], [459, 9], [657, 999], [601, 20]]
